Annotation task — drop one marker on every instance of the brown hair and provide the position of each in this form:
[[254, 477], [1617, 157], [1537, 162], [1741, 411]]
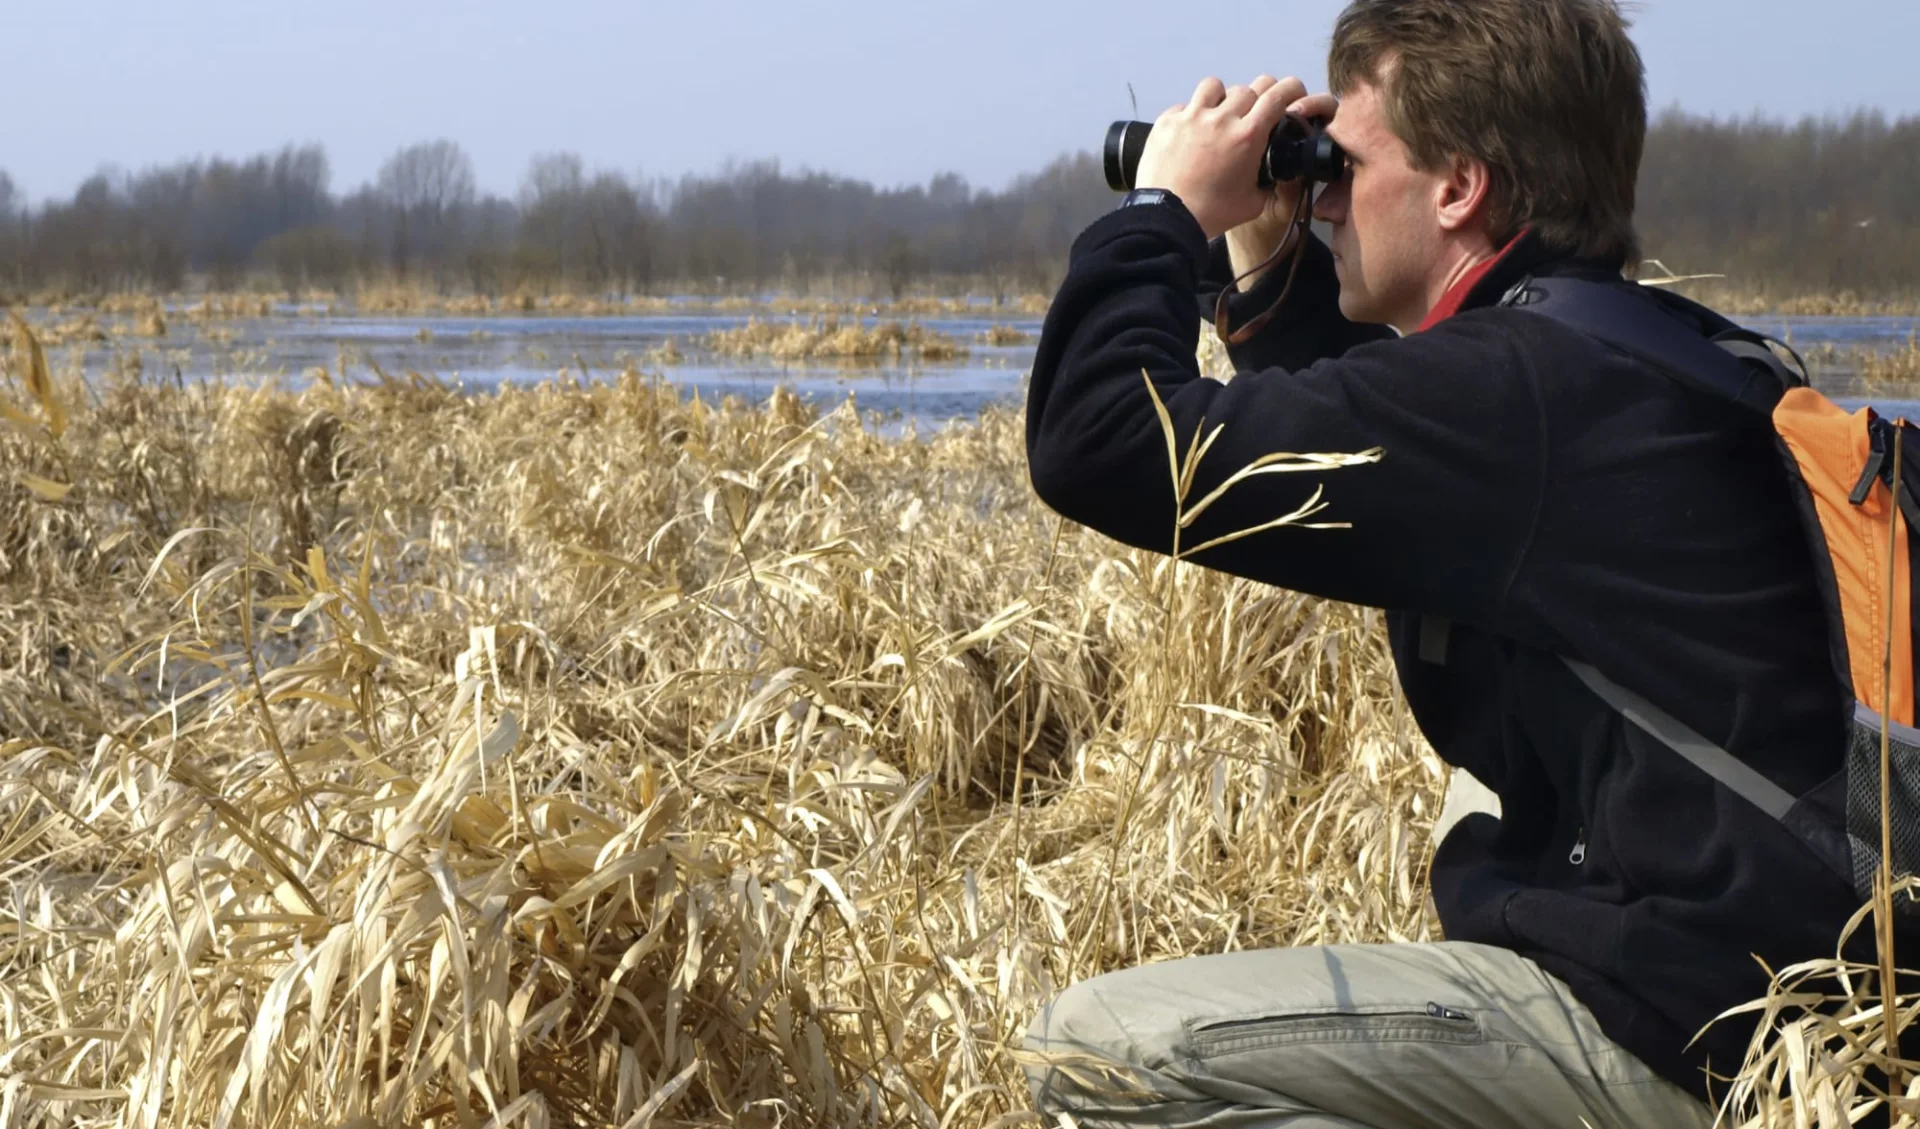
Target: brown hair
[[1549, 94]]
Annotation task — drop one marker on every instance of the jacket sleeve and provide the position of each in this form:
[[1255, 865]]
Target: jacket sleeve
[[1439, 525]]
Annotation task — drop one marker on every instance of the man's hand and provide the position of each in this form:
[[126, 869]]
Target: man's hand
[[1255, 241], [1208, 151]]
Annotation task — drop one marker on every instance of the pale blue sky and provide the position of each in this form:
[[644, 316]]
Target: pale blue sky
[[887, 90]]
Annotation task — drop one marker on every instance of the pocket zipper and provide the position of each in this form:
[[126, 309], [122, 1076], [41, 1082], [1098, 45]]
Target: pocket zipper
[[1579, 853], [1220, 1027]]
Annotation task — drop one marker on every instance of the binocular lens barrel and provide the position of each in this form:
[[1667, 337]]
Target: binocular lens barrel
[[1297, 149], [1121, 155]]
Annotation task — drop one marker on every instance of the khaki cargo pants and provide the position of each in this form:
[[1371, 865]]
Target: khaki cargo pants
[[1435, 1036]]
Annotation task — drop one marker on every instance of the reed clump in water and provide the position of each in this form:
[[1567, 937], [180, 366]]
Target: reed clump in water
[[1735, 300], [1005, 335], [1889, 372], [830, 338], [665, 353], [378, 754], [1895, 369]]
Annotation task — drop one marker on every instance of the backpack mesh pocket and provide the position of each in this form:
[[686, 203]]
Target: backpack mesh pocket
[[1863, 803]]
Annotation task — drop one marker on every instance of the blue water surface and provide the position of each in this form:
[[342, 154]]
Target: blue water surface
[[482, 352]]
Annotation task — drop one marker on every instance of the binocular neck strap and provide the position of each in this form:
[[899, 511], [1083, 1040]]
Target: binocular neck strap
[[1297, 233]]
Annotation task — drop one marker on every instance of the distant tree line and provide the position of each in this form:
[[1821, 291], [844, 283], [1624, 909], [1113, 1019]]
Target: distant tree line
[[1819, 205]]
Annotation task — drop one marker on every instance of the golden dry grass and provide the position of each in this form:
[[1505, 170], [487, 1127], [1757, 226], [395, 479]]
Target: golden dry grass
[[381, 755], [1896, 369], [388, 296], [1866, 371], [1739, 298], [830, 338], [1844, 304]]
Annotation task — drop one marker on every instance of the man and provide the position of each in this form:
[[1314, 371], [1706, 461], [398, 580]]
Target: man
[[1541, 495]]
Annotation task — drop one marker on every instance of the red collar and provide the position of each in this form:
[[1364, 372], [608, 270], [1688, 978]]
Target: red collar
[[1456, 295]]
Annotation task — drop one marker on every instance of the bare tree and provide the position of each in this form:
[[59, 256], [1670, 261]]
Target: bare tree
[[430, 187], [550, 177], [598, 231], [12, 233], [550, 194], [299, 184]]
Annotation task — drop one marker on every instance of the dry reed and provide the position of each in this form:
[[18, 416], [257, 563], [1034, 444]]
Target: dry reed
[[830, 338], [1864, 370], [665, 353], [1891, 370], [1005, 335], [1738, 301], [411, 297], [378, 754]]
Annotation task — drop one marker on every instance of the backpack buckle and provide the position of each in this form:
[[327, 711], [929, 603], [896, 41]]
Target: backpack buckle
[[1521, 294]]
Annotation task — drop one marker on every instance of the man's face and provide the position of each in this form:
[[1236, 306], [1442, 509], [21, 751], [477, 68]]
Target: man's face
[[1386, 234]]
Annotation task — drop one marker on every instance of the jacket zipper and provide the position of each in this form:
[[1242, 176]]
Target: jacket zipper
[[1579, 853]]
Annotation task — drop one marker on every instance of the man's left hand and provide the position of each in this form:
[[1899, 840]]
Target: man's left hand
[[1208, 152]]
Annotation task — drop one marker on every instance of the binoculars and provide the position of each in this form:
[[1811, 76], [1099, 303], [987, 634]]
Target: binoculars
[[1297, 149]]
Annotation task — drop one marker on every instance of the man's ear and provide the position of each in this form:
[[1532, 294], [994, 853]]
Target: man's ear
[[1461, 197]]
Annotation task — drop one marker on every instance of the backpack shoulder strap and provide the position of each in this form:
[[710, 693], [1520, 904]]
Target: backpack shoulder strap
[[1739, 777], [1688, 342]]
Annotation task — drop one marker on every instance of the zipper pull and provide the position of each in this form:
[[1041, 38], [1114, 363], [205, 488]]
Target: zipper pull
[[1579, 853], [1441, 1011]]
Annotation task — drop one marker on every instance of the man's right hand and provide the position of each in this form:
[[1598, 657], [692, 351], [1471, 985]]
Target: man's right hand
[[1254, 242]]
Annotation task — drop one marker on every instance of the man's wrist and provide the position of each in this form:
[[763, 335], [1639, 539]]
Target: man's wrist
[[1246, 250]]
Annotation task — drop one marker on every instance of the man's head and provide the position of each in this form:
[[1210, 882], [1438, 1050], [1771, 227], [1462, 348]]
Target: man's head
[[1469, 121]]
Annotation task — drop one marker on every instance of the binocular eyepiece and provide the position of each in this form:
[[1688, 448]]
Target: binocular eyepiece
[[1297, 149]]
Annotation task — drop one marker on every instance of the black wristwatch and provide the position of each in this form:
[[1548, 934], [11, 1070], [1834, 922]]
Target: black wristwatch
[[1148, 196]]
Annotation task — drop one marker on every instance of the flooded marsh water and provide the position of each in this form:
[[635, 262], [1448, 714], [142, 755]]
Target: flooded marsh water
[[483, 352]]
